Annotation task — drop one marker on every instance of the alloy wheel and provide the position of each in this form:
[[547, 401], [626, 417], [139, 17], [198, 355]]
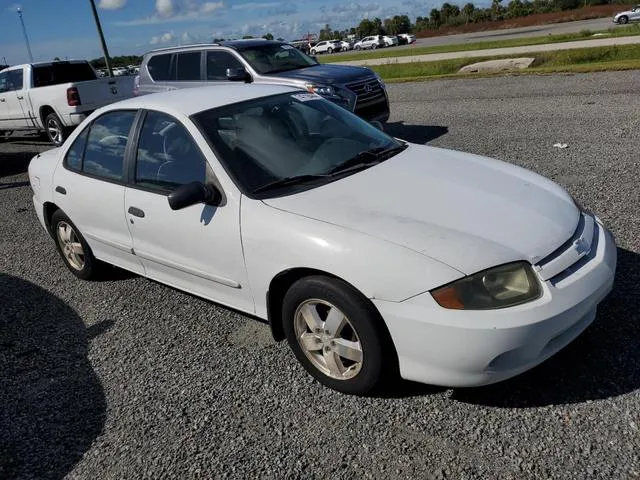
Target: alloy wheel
[[328, 339], [70, 246]]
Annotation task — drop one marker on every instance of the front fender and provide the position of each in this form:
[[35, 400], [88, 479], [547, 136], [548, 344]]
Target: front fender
[[275, 241]]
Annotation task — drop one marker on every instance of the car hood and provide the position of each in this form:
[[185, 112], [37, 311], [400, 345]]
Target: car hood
[[327, 74], [626, 12], [467, 211]]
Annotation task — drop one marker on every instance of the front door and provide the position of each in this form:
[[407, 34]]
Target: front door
[[198, 248], [13, 101], [89, 188]]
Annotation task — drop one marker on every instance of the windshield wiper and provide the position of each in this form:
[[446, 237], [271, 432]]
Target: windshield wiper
[[366, 159], [288, 181]]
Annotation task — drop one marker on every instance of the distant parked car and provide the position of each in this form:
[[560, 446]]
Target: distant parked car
[[326, 47], [372, 42], [390, 40], [627, 16], [407, 38], [346, 45]]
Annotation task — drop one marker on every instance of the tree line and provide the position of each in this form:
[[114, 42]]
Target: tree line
[[450, 14]]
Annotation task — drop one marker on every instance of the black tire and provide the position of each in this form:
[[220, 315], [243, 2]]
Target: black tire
[[623, 20], [53, 124], [363, 323], [330, 50], [374, 46], [358, 47], [91, 266], [313, 52]]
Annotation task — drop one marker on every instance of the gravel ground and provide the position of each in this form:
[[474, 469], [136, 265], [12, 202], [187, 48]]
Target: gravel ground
[[126, 378]]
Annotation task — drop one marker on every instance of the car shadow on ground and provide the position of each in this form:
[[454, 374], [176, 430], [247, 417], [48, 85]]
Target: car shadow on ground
[[15, 163], [420, 134], [52, 405], [603, 362]]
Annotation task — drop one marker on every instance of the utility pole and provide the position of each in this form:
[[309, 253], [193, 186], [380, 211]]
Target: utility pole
[[26, 38], [105, 52]]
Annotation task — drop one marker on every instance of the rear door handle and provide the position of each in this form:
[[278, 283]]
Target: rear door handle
[[20, 98], [61, 190], [136, 212], [2, 99]]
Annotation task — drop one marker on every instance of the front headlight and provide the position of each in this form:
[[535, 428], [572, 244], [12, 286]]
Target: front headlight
[[499, 287], [324, 90]]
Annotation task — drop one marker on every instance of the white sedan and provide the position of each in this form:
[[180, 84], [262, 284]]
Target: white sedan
[[371, 256]]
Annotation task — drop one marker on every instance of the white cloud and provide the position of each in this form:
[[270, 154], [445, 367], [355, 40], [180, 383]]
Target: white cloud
[[112, 4], [210, 7], [165, 8], [164, 38], [254, 5]]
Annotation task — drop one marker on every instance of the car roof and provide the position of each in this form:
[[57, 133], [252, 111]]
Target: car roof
[[236, 44], [193, 100]]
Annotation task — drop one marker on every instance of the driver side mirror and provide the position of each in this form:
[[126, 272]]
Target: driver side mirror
[[238, 75], [193, 193]]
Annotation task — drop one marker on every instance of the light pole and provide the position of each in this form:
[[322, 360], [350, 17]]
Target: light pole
[[26, 38], [105, 52]]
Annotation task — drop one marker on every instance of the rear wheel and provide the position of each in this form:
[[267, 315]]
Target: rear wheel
[[358, 47], [336, 334], [73, 248], [313, 52], [56, 132], [374, 46], [623, 20], [330, 50]]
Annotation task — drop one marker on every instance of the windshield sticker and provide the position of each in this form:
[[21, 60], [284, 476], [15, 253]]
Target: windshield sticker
[[306, 97], [286, 47]]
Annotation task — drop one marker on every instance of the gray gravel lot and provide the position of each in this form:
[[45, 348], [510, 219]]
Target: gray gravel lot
[[126, 378]]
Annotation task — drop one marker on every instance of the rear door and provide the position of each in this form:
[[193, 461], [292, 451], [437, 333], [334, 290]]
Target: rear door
[[89, 187]]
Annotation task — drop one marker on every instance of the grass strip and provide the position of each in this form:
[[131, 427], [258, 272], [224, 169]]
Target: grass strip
[[623, 57], [627, 31]]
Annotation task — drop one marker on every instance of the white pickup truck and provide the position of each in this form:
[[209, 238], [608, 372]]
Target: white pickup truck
[[54, 97]]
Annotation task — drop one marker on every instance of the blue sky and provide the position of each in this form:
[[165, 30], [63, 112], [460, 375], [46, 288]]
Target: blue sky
[[65, 28]]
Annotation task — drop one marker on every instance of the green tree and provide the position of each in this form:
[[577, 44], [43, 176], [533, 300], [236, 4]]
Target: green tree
[[247, 37], [268, 36], [435, 18], [467, 11], [325, 33], [365, 28]]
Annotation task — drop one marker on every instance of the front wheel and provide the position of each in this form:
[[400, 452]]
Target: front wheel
[[623, 20], [336, 334], [374, 46], [56, 132], [313, 52], [358, 48], [330, 50]]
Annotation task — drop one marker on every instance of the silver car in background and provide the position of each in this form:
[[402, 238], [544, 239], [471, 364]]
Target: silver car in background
[[627, 16]]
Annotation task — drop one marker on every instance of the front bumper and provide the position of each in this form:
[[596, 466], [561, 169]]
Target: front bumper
[[457, 348]]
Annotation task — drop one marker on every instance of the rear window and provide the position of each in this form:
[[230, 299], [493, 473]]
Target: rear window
[[159, 67], [189, 66], [62, 72]]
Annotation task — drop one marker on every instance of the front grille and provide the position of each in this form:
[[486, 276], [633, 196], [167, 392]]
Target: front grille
[[371, 100]]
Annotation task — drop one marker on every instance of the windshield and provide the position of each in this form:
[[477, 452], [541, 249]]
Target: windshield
[[278, 145], [275, 57]]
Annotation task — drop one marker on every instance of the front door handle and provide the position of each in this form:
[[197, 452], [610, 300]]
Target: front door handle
[[2, 99], [20, 97], [136, 212], [61, 190]]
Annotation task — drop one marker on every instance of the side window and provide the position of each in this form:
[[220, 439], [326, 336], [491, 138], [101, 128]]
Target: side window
[[217, 64], [167, 155], [159, 66], [4, 81], [104, 155], [16, 78], [189, 66], [73, 160]]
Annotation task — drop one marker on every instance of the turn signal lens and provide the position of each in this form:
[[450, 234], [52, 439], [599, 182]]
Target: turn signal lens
[[500, 287]]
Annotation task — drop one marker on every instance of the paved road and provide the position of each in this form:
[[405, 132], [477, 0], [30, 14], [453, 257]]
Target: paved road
[[491, 52], [126, 378]]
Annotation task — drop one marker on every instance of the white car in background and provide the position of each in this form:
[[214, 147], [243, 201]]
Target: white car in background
[[627, 16], [371, 255], [328, 46], [390, 40], [372, 42], [408, 37], [346, 46]]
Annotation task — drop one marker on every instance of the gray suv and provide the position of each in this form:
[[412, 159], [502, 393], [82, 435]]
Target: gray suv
[[358, 89]]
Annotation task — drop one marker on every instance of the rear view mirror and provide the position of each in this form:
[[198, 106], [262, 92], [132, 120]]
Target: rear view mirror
[[238, 75], [192, 194]]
